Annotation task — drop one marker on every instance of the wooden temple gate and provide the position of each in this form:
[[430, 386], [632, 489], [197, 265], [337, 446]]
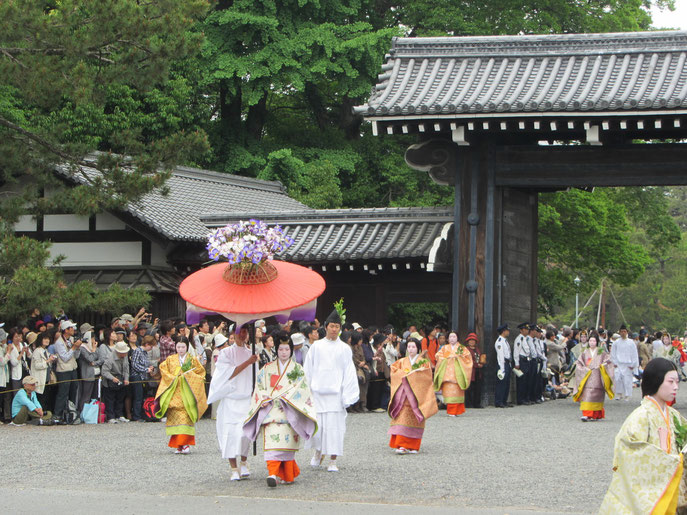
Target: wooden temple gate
[[501, 118]]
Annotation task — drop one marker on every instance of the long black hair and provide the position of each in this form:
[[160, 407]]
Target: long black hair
[[654, 375]]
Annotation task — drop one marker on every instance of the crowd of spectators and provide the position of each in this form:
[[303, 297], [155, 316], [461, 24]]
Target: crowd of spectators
[[50, 367]]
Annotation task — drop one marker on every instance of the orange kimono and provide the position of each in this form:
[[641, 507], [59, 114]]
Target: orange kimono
[[412, 402], [452, 376]]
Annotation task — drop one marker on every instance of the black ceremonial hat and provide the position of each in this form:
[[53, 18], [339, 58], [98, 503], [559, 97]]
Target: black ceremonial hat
[[333, 318]]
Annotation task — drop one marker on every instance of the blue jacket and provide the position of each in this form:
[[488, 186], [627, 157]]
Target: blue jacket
[[23, 399]]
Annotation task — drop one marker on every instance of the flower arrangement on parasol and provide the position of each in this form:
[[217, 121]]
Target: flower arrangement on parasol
[[248, 247]]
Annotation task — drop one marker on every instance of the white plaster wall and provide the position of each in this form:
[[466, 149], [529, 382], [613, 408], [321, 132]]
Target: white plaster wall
[[26, 223], [120, 253], [65, 223], [108, 222]]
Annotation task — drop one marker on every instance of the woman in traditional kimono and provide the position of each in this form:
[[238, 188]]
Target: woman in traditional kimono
[[181, 397], [593, 380], [452, 374], [282, 407], [412, 399], [647, 459]]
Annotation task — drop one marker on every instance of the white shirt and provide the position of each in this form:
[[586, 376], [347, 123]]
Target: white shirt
[[624, 352], [502, 351], [331, 375], [521, 349]]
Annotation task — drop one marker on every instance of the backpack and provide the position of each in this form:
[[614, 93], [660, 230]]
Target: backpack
[[149, 409], [70, 416]]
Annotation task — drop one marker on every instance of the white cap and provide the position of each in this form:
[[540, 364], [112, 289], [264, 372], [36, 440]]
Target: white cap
[[259, 323], [66, 324], [356, 325], [220, 340], [298, 338]]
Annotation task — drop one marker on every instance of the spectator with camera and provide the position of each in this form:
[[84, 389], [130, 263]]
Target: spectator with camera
[[17, 356], [68, 351], [115, 376], [41, 367], [140, 371], [89, 366]]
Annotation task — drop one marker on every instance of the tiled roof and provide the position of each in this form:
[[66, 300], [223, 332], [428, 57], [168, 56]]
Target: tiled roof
[[544, 74], [154, 279], [347, 235], [193, 191]]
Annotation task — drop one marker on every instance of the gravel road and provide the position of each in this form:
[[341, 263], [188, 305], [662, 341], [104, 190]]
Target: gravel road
[[533, 458]]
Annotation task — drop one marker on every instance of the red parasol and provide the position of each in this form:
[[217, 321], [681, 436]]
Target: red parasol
[[294, 289]]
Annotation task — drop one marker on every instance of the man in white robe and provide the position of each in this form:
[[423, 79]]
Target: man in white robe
[[330, 373], [232, 384], [626, 360]]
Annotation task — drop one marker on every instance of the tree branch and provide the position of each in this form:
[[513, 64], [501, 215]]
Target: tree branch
[[48, 146]]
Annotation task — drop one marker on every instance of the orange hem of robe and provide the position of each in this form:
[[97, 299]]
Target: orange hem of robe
[[180, 440], [286, 470], [398, 441], [455, 409], [596, 414]]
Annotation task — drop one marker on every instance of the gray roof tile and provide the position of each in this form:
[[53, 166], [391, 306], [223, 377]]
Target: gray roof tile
[[193, 191], [336, 235], [522, 74]]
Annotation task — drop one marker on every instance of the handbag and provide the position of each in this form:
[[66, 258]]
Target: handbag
[[90, 412]]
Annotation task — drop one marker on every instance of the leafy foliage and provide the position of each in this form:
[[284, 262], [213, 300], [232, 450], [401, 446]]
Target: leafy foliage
[[27, 280], [79, 76]]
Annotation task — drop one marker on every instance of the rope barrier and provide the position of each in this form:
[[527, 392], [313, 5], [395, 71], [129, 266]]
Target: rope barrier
[[95, 379]]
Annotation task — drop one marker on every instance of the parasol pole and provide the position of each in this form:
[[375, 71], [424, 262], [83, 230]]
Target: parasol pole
[[251, 340]]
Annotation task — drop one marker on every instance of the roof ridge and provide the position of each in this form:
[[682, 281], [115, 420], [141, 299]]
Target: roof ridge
[[539, 44], [354, 215], [228, 178]]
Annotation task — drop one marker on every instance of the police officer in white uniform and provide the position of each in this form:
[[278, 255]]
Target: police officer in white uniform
[[522, 358], [503, 358]]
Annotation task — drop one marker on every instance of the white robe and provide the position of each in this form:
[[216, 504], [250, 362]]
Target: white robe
[[235, 396], [330, 373], [624, 355]]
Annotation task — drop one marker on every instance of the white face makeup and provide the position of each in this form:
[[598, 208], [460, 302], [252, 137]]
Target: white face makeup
[[284, 352], [592, 343], [453, 338], [182, 348], [668, 389], [412, 349]]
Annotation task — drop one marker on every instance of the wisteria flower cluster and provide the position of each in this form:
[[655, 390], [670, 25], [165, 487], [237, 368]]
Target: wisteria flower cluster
[[247, 242]]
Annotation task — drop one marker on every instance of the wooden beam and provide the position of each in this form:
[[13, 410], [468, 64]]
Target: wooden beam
[[585, 165]]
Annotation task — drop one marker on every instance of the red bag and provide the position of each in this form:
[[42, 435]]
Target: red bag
[[102, 418], [150, 407]]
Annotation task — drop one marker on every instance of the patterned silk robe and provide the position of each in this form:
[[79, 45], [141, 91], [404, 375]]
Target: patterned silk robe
[[593, 379], [412, 398], [453, 372], [646, 479], [283, 408]]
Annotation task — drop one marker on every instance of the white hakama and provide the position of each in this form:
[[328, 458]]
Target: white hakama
[[234, 395], [626, 360], [333, 382], [329, 438]]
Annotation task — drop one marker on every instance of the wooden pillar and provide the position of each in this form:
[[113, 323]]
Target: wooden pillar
[[494, 258]]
